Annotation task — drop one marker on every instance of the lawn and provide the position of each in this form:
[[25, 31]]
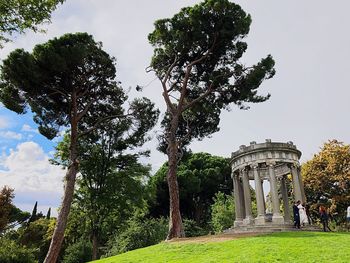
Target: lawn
[[278, 247]]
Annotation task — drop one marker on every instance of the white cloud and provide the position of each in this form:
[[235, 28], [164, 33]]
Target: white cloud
[[11, 135], [4, 122], [28, 128], [28, 170]]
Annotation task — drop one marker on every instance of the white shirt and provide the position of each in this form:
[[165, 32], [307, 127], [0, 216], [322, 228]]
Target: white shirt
[[348, 211]]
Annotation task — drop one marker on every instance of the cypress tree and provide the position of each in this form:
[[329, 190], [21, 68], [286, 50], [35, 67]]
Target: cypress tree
[[48, 215], [33, 217]]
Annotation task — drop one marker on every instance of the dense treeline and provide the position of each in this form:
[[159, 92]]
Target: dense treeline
[[132, 206], [124, 209]]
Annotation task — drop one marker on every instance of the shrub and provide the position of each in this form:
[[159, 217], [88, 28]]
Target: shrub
[[139, 232], [222, 212], [192, 229], [37, 235], [79, 252], [10, 252]]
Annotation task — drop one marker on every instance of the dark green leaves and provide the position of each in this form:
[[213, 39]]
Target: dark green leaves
[[18, 15], [66, 71], [196, 57]]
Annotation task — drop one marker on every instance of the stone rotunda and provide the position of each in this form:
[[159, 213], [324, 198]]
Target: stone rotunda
[[273, 162]]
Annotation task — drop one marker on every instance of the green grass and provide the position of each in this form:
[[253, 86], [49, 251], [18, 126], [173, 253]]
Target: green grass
[[278, 247]]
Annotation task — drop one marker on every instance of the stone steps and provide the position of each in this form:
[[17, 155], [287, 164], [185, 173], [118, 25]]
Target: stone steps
[[270, 228]]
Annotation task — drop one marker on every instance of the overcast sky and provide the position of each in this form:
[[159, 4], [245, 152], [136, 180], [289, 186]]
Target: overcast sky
[[309, 103]]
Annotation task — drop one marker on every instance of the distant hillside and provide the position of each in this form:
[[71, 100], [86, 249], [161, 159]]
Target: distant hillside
[[278, 247]]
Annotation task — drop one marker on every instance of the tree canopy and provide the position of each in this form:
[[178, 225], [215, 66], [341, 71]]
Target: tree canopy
[[327, 178], [197, 60], [69, 82], [16, 16], [200, 177]]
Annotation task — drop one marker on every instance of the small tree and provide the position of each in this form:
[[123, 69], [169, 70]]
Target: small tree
[[327, 177], [196, 58], [10, 215], [18, 15], [67, 82], [110, 185], [6, 197], [222, 212]]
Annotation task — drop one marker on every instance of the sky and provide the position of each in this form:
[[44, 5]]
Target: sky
[[309, 102]]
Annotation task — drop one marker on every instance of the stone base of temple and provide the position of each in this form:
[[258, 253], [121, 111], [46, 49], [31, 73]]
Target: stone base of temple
[[269, 228], [277, 220], [260, 220], [248, 221], [238, 223]]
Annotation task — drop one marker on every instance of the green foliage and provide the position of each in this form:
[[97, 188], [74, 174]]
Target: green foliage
[[111, 182], [296, 247], [79, 252], [10, 215], [192, 229], [56, 75], [139, 232], [200, 176], [70, 82], [196, 57], [37, 235], [6, 197], [20, 15], [48, 214], [222, 212], [10, 252], [327, 179], [34, 215]]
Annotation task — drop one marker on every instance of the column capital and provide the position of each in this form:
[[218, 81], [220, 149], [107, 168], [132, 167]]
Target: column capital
[[270, 163], [234, 174], [254, 166], [294, 165]]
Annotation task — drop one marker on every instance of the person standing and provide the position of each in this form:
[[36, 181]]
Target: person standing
[[324, 218], [302, 214], [296, 214], [348, 216]]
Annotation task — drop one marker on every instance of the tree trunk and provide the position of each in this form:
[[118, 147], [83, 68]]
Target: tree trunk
[[94, 245], [175, 221], [58, 234]]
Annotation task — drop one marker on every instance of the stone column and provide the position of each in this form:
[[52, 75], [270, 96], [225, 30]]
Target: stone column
[[284, 192], [296, 183], [238, 210], [241, 197], [248, 220], [260, 219], [276, 217], [303, 197]]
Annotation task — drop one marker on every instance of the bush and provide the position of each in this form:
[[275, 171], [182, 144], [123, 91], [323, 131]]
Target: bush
[[192, 229], [79, 252], [139, 232], [10, 252], [37, 235], [222, 212]]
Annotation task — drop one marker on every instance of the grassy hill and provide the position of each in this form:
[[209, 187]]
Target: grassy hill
[[278, 247]]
